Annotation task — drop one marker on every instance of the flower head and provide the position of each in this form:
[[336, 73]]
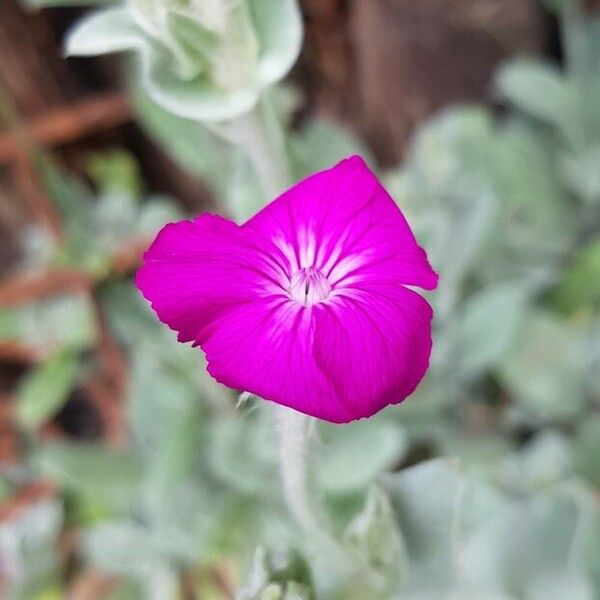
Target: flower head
[[305, 304]]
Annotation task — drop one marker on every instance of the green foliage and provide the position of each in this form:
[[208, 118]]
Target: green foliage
[[99, 225], [28, 549], [279, 575], [46, 389], [429, 522], [206, 61], [580, 287], [376, 537], [61, 321], [587, 447], [90, 470], [356, 453], [545, 370], [537, 89], [489, 324], [507, 207]]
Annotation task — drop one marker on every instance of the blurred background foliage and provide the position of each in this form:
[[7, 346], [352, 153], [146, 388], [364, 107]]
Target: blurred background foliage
[[128, 473]]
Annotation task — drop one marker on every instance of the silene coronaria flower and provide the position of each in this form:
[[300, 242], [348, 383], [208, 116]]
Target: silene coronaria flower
[[306, 303]]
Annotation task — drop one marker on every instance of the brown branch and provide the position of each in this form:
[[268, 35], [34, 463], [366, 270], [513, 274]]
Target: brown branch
[[128, 256], [92, 584], [13, 351], [21, 288], [68, 124], [25, 497], [33, 192], [222, 578]]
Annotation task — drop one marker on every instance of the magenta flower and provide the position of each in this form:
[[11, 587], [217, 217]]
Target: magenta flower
[[305, 304]]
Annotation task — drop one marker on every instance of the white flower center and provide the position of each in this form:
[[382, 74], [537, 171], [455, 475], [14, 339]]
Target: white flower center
[[309, 286]]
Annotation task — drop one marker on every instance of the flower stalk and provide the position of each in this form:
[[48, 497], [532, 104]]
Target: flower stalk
[[262, 137], [294, 432]]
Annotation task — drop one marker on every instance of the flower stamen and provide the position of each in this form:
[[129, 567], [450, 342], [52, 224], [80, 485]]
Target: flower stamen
[[309, 286]]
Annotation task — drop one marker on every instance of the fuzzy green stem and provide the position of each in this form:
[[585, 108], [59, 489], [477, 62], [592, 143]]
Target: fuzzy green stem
[[294, 431], [262, 137]]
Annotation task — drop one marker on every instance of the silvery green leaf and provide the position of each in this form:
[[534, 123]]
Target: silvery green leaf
[[211, 14], [278, 30], [447, 192], [587, 450], [258, 577], [154, 213], [39, 246], [530, 549], [580, 286], [581, 173], [91, 470], [183, 518], [199, 86], [198, 98], [122, 547], [588, 542], [130, 318], [321, 144], [160, 401], [28, 541], [537, 89], [127, 548], [536, 224], [61, 321], [10, 328], [488, 325], [449, 158], [190, 42], [242, 454], [375, 536], [191, 144], [176, 458], [545, 371], [427, 501], [115, 214], [235, 55], [162, 582], [297, 591], [354, 454], [242, 193], [478, 453], [281, 575], [104, 31], [115, 172], [543, 462], [591, 351], [457, 241], [278, 25], [45, 390], [75, 202]]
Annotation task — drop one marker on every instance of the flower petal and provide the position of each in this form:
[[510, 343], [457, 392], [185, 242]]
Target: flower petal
[[344, 222], [266, 347], [196, 270], [336, 361], [374, 346]]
